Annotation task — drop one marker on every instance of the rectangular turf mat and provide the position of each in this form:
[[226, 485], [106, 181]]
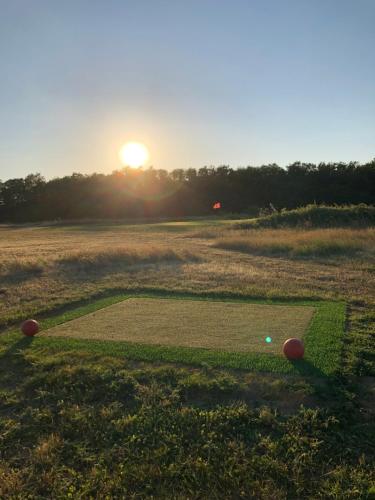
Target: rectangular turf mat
[[226, 326]]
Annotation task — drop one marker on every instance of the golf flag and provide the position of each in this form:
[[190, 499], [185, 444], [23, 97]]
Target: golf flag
[[216, 205]]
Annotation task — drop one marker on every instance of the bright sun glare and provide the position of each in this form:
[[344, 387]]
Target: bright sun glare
[[133, 154]]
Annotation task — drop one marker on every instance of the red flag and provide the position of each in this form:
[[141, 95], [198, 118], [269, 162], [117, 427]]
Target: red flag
[[216, 205]]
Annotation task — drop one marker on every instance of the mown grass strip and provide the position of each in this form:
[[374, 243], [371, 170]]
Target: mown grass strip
[[323, 340]]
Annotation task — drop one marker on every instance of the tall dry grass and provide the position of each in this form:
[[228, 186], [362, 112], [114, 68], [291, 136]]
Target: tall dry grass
[[20, 266], [91, 259], [140, 254], [300, 243]]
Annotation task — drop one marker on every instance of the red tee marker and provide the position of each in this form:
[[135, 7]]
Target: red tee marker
[[30, 327], [216, 205], [293, 349]]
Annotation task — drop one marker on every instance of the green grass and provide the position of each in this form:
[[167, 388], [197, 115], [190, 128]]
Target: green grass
[[317, 216], [323, 340], [81, 426]]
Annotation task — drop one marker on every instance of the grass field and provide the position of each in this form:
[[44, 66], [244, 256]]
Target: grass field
[[85, 418], [294, 243], [228, 326], [175, 335]]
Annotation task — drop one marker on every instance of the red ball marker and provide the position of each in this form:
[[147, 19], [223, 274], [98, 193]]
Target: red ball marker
[[30, 327], [293, 349]]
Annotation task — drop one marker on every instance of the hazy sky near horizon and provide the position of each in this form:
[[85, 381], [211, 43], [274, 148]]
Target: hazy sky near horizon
[[200, 82]]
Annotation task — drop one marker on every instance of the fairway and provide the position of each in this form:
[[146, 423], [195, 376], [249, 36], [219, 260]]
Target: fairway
[[227, 326]]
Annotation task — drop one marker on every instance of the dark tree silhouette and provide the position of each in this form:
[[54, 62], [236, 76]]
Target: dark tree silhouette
[[154, 193]]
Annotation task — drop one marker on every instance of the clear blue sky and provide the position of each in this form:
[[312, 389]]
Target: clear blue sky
[[200, 82]]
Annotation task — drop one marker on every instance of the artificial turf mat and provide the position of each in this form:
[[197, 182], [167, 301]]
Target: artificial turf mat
[[227, 326]]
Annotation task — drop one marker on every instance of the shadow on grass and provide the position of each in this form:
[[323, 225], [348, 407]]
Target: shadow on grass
[[16, 277], [79, 271], [12, 359], [305, 367], [21, 345], [14, 365]]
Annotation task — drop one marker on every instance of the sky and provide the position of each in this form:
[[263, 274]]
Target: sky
[[199, 82]]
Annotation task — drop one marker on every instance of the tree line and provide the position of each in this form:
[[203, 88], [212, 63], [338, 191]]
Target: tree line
[[154, 193]]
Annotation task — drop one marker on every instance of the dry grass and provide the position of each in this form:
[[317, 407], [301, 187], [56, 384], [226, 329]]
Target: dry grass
[[228, 326], [128, 429], [141, 254], [196, 265], [91, 260], [23, 268], [301, 243]]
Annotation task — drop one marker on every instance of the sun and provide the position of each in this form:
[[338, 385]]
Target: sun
[[133, 154]]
